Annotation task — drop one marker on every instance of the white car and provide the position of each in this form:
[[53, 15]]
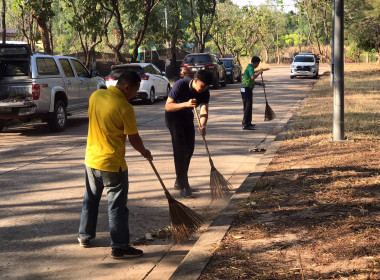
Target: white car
[[154, 83], [305, 65]]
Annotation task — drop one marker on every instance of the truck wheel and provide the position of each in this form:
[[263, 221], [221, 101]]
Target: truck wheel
[[224, 83], [58, 119], [216, 82], [2, 124]]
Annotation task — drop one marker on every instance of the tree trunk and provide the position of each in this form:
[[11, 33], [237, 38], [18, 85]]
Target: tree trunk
[[42, 27], [4, 28]]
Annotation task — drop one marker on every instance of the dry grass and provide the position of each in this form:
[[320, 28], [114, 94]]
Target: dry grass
[[315, 214]]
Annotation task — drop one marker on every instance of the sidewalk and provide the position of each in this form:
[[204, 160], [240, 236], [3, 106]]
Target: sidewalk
[[39, 223]]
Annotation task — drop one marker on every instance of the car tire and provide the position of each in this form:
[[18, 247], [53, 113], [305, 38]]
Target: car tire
[[216, 82], [292, 77], [316, 76], [57, 120], [232, 80], [152, 96], [224, 83]]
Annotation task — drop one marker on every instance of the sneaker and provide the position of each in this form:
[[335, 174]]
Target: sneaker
[[126, 253], [187, 193], [249, 127], [178, 187], [85, 243]]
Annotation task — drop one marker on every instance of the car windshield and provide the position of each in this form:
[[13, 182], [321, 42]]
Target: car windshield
[[197, 59], [304, 58], [118, 71], [227, 63]]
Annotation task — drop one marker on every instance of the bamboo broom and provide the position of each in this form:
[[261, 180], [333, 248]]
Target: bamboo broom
[[218, 184], [269, 114], [184, 220]]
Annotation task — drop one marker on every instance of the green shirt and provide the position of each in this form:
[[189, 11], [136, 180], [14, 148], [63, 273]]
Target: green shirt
[[248, 73]]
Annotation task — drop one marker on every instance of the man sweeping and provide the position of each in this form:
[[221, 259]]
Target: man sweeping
[[185, 95], [111, 121], [248, 84]]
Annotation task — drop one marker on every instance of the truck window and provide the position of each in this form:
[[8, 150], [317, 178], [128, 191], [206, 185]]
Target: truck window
[[15, 68], [66, 68], [46, 66], [81, 70]]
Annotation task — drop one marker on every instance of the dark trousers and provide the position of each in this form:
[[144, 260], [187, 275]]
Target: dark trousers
[[247, 106], [181, 127]]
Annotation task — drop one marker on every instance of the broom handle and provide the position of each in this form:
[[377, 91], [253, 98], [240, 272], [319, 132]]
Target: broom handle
[[158, 176], [263, 87], [204, 139]]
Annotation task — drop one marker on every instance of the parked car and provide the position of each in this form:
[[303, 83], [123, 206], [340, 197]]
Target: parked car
[[207, 61], [49, 87], [233, 70], [154, 83], [305, 65]]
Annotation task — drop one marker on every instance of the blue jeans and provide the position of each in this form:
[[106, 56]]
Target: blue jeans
[[116, 184]]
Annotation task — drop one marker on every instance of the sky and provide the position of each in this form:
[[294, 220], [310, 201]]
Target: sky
[[288, 4]]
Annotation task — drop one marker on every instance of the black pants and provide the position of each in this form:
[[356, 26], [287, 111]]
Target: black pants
[[247, 106], [181, 127]]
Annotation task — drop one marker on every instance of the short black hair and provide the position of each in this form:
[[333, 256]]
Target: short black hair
[[129, 77], [255, 59], [204, 76]]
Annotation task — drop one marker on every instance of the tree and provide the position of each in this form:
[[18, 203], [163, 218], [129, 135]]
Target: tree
[[364, 16], [111, 9], [87, 21], [202, 19], [145, 7], [3, 26]]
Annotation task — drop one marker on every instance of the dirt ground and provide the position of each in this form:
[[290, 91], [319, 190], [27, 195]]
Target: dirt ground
[[315, 214]]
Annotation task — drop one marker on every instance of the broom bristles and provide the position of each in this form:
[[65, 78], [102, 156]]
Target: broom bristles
[[269, 114], [184, 221], [220, 187]]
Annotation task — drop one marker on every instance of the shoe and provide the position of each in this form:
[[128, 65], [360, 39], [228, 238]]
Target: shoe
[[249, 127], [177, 187], [187, 193], [85, 243], [126, 253]]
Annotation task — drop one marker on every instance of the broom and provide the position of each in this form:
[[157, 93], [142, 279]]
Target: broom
[[184, 220], [269, 114], [219, 186]]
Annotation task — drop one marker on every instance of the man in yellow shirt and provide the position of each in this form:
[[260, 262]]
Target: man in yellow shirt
[[111, 121]]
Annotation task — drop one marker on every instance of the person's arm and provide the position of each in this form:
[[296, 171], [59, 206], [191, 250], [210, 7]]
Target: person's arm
[[138, 145], [203, 116], [257, 73], [172, 106]]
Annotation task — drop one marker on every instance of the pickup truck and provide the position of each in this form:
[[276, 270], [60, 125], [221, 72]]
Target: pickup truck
[[37, 85]]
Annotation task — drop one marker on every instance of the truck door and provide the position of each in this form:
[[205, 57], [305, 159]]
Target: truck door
[[71, 81], [87, 85]]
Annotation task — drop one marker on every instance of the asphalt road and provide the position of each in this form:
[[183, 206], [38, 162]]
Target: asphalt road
[[42, 183]]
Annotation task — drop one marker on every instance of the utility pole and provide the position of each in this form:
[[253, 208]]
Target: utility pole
[[338, 126], [332, 44]]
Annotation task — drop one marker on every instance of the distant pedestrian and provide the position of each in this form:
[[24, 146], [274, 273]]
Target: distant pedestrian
[[179, 117], [111, 121], [248, 84]]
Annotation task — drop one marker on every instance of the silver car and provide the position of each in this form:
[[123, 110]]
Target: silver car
[[154, 83]]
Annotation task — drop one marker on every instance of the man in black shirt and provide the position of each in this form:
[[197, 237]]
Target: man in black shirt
[[179, 117]]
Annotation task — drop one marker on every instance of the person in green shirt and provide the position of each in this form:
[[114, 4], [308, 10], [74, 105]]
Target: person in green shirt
[[248, 84]]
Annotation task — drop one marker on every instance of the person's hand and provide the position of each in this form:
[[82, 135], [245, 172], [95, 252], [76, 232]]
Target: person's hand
[[192, 103], [202, 130], [147, 155]]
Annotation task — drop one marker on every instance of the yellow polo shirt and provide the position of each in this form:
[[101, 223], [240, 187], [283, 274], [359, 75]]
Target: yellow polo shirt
[[111, 119]]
